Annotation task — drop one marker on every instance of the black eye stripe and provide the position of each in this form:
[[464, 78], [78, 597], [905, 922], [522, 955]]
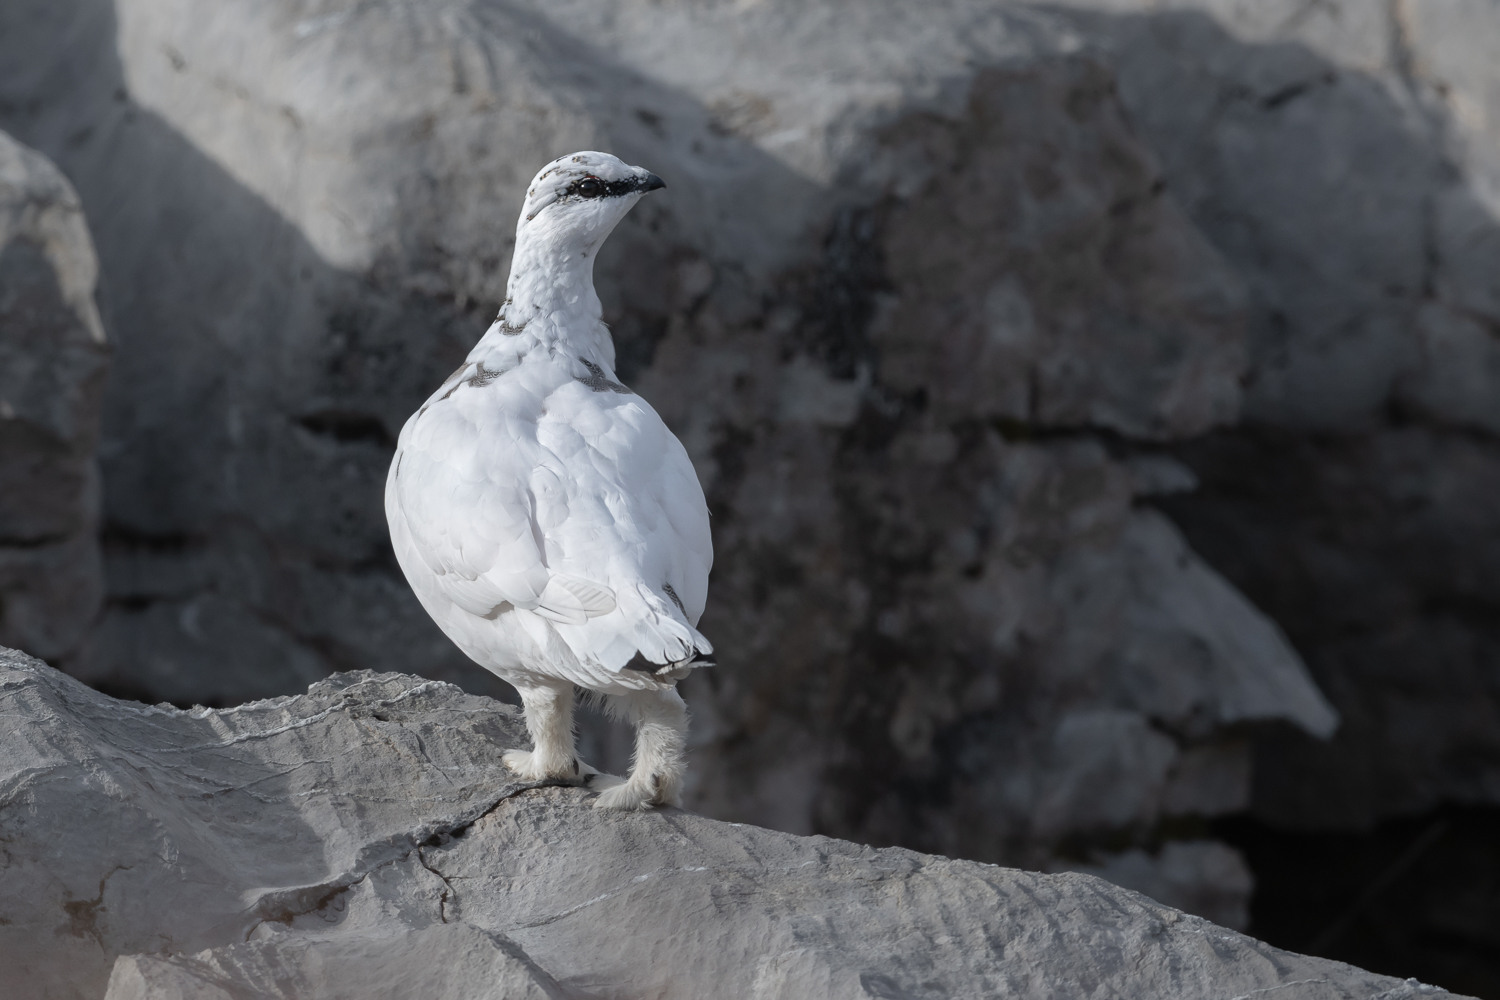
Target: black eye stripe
[[607, 189]]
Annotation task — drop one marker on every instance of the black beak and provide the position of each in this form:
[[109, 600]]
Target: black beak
[[650, 183]]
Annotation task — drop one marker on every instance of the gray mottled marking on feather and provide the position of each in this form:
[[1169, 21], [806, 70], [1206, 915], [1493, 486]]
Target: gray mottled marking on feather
[[672, 593], [456, 373], [596, 380], [484, 376]]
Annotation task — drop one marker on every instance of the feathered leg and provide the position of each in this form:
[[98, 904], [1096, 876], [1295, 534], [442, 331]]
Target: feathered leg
[[660, 719], [549, 720]]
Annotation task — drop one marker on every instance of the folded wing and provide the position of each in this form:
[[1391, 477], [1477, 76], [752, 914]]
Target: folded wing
[[593, 521]]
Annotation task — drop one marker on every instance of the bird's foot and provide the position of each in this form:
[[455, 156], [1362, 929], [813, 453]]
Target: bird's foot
[[530, 767], [640, 792]]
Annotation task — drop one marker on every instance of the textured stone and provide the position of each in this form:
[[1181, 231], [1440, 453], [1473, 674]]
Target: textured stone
[[1045, 652], [53, 361], [913, 269], [936, 298], [1067, 291], [1312, 179], [1344, 158], [1202, 877], [363, 840]]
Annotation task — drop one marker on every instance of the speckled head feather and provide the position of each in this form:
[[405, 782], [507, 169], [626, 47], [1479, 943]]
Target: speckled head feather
[[564, 183]]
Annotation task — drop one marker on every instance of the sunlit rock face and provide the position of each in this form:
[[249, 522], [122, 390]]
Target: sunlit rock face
[[948, 304]]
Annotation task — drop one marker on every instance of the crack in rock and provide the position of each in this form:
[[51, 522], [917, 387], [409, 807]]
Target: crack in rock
[[285, 905]]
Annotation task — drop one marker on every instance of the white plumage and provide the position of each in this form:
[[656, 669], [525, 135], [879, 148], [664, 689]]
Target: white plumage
[[547, 519]]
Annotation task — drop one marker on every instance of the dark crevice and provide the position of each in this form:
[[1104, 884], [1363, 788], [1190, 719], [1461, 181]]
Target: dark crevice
[[1417, 896], [1293, 91], [348, 427], [127, 689], [443, 835], [116, 534], [33, 541], [284, 906], [837, 301], [132, 603], [447, 886]]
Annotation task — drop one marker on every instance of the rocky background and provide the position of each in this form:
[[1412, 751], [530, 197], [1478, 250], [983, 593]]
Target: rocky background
[[1099, 403], [53, 360]]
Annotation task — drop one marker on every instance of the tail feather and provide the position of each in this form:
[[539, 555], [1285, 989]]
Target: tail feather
[[698, 659], [655, 638], [671, 671]]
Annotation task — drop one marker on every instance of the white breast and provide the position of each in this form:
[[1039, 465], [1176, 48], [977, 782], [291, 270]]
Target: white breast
[[522, 485]]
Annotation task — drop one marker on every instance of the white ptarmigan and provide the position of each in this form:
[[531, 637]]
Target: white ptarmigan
[[546, 517]]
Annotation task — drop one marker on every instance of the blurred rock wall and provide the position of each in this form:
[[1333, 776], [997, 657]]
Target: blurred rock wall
[[949, 302], [1345, 159], [53, 361]]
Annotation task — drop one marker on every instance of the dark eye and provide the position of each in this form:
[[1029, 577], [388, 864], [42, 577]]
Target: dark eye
[[590, 187]]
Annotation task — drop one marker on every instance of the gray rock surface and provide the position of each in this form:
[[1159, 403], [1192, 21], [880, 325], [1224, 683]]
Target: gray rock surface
[[917, 304], [1343, 158], [362, 841], [53, 361], [944, 299], [1200, 876]]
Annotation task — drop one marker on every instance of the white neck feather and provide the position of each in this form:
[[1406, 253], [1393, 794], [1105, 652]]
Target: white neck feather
[[550, 299]]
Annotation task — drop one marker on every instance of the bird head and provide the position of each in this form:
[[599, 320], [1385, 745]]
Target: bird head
[[575, 201]]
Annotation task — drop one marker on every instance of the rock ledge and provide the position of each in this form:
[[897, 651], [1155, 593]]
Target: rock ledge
[[362, 840]]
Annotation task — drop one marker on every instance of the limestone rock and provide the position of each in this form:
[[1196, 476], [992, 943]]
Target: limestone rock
[[936, 297], [53, 361], [1201, 877], [914, 268], [1043, 677], [290, 299], [1345, 159], [362, 840]]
